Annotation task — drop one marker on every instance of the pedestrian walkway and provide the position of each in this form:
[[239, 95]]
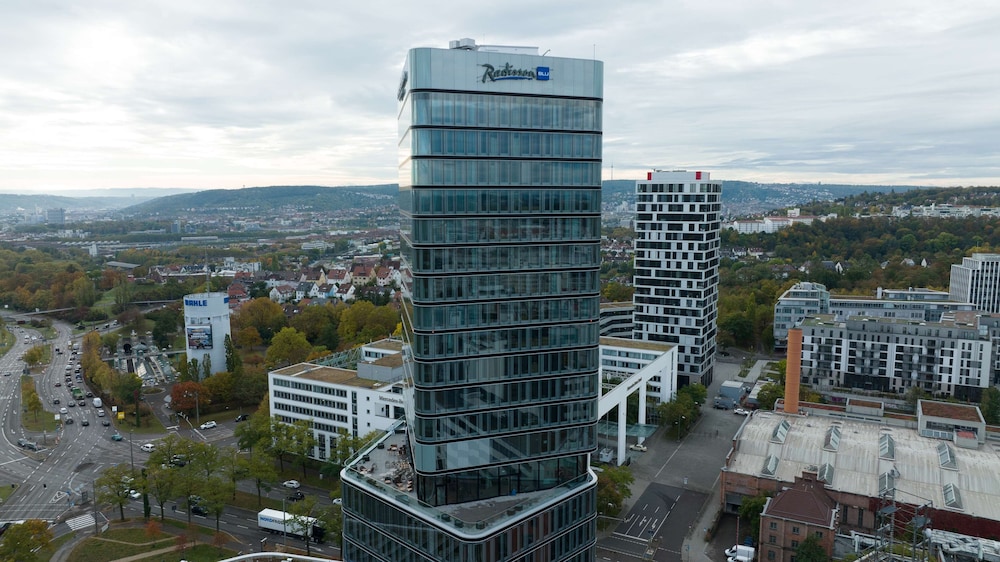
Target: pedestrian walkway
[[82, 522]]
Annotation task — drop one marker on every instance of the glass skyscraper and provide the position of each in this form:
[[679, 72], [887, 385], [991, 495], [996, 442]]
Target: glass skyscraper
[[500, 195]]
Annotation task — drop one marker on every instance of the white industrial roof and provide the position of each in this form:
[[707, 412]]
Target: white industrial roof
[[919, 467]]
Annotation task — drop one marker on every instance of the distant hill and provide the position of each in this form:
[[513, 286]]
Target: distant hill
[[270, 199], [747, 196], [752, 197]]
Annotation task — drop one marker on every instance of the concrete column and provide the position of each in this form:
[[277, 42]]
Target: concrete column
[[622, 417]]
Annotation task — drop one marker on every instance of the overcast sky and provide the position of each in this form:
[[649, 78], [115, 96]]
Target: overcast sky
[[224, 94]]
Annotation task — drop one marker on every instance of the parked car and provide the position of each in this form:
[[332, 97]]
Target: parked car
[[208, 425], [22, 442], [134, 494], [242, 417], [741, 412], [293, 484], [638, 447]]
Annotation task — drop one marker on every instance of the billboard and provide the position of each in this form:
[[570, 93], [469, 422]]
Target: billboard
[[199, 337]]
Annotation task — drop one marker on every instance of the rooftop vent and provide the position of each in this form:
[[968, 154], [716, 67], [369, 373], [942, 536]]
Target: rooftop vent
[[826, 473], [886, 483], [832, 440], [780, 431], [946, 456], [770, 466], [886, 447], [952, 498]]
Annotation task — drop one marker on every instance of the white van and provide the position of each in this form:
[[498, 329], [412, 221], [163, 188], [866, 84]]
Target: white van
[[740, 553], [98, 403]]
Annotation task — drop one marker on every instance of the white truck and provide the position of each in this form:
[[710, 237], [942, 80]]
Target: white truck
[[740, 553], [98, 403], [282, 523]]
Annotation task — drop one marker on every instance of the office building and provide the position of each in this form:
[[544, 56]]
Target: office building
[[677, 267], [801, 300], [977, 280], [500, 195], [809, 299]]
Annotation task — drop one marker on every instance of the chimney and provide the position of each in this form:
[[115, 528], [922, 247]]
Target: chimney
[[793, 371]]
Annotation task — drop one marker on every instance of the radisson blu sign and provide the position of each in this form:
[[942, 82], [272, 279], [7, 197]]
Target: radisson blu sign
[[508, 72]]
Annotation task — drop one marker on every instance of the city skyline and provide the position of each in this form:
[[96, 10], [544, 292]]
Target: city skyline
[[123, 95]]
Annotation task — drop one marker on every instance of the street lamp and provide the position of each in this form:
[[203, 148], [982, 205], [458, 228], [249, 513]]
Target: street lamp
[[131, 454], [678, 424]]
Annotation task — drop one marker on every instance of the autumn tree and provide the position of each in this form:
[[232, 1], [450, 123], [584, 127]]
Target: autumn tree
[[363, 322], [22, 541], [319, 324], [289, 346], [186, 396], [264, 315], [248, 338]]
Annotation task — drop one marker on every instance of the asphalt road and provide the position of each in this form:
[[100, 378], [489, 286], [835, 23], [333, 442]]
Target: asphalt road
[[673, 480]]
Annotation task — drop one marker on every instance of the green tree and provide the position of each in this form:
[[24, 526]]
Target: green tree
[[750, 509], [256, 432], [614, 291], [34, 355], [21, 541], [260, 465], [696, 392], [613, 488], [84, 292], [234, 363], [302, 513], [915, 394], [160, 483], [769, 394], [114, 485], [303, 441], [810, 550], [288, 347], [233, 467], [990, 405], [33, 403]]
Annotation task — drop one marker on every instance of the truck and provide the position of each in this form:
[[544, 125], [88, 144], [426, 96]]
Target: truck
[[282, 523], [98, 403], [77, 393]]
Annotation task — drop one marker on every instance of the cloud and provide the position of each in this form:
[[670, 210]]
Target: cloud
[[225, 93]]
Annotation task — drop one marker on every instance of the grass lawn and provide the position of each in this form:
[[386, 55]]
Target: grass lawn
[[47, 552], [5, 492], [119, 543]]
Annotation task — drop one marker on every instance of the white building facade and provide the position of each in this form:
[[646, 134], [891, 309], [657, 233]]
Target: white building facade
[[206, 325], [977, 280], [677, 267]]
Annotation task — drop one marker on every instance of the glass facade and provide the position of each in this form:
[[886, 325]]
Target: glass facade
[[500, 195]]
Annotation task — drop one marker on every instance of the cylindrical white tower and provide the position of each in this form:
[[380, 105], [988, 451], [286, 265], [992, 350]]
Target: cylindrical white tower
[[206, 325]]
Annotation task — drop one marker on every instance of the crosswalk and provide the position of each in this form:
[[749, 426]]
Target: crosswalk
[[81, 522]]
